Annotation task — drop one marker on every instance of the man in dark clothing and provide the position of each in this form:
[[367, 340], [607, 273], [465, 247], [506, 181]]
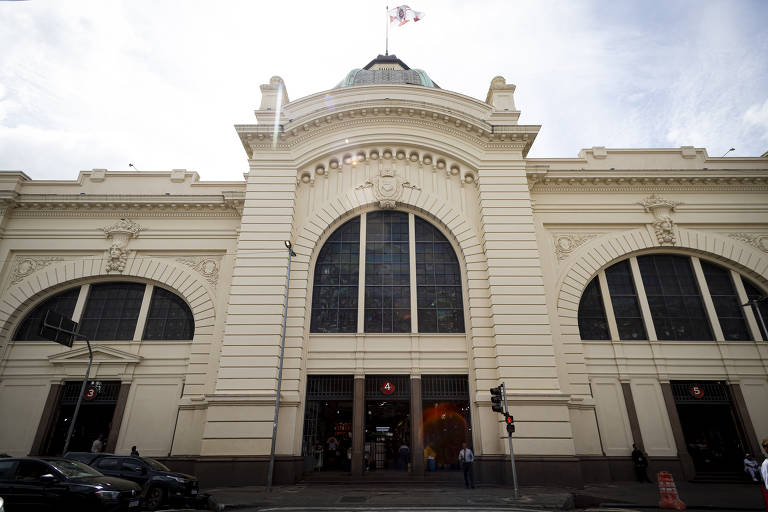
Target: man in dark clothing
[[641, 464]]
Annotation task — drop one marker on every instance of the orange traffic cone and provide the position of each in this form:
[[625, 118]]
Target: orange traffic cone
[[668, 492]]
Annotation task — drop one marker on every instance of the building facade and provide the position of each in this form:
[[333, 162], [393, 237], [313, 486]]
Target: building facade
[[433, 261]]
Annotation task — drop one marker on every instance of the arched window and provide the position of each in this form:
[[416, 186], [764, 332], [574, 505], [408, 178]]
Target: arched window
[[409, 269], [111, 312], [668, 297]]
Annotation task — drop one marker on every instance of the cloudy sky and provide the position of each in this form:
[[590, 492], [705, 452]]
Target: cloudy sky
[[160, 83]]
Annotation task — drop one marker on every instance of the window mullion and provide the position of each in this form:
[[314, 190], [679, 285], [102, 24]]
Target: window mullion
[[361, 276], [749, 313], [143, 313], [645, 309], [77, 314], [613, 327], [412, 272], [709, 305]]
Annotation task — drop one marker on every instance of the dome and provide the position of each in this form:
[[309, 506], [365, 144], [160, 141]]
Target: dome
[[387, 69]]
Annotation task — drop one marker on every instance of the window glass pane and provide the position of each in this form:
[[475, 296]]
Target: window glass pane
[[755, 293], [168, 318], [676, 306], [111, 311], [62, 303], [387, 279], [626, 307], [334, 294], [438, 277], [727, 304], [592, 320]]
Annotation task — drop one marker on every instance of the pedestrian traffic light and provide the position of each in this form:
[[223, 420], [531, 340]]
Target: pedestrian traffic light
[[510, 421], [496, 400]]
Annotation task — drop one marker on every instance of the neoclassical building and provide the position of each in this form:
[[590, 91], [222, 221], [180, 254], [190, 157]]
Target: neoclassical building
[[433, 261]]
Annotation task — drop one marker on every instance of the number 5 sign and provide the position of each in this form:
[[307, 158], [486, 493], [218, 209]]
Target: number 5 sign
[[387, 388], [696, 391]]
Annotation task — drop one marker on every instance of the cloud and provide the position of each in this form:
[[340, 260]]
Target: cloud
[[757, 116]]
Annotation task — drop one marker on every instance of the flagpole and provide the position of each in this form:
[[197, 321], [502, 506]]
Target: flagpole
[[386, 45]]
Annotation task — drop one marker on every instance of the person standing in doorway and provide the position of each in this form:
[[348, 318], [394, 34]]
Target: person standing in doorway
[[98, 444], [640, 461], [134, 451], [404, 451], [466, 458]]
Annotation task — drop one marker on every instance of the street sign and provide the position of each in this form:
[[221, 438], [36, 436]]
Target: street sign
[[387, 388], [58, 328]]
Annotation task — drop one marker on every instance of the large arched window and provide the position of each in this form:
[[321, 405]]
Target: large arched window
[[407, 269], [669, 297], [111, 312]]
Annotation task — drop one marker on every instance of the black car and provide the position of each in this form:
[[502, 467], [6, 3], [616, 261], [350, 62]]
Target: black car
[[51, 483], [160, 484]]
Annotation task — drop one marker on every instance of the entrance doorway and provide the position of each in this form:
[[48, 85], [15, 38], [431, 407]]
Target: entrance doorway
[[712, 432], [327, 441], [387, 423], [93, 420]]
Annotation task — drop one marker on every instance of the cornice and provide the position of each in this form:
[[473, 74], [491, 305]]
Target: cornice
[[540, 180], [258, 138], [229, 204]]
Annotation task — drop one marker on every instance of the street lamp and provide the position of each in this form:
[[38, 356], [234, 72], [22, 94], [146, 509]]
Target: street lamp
[[280, 369], [62, 330], [754, 303]]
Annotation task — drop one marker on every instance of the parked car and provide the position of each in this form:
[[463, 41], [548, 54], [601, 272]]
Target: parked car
[[53, 483], [160, 484]]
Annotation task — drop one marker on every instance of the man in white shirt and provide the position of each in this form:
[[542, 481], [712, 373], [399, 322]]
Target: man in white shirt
[[466, 458], [98, 445]]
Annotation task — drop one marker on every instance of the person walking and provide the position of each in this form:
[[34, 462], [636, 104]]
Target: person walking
[[640, 461], [466, 458]]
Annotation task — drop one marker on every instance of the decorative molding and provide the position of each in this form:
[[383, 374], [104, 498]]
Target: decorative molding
[[663, 225], [207, 266], [566, 243], [25, 266], [387, 187], [120, 233], [758, 240], [70, 205], [540, 179]]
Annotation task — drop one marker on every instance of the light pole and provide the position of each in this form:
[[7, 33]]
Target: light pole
[[754, 303], [56, 327], [271, 469]]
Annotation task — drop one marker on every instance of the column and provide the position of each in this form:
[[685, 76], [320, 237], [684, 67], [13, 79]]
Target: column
[[44, 429], [742, 414], [677, 431], [634, 424], [117, 416], [417, 430], [358, 425]]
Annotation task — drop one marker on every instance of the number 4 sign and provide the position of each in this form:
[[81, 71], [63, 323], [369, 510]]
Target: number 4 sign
[[387, 388]]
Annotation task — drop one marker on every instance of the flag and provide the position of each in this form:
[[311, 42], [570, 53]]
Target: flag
[[401, 15]]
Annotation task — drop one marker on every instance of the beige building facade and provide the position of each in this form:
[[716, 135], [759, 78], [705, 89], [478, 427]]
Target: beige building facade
[[433, 261]]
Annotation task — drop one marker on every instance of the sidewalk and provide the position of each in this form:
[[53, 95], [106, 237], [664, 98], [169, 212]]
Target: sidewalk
[[622, 495]]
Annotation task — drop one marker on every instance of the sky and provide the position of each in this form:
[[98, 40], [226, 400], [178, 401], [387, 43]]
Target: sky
[[160, 83]]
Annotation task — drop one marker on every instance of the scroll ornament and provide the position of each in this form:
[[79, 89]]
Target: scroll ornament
[[120, 233]]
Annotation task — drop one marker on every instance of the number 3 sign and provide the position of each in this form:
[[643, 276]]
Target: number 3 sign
[[387, 388]]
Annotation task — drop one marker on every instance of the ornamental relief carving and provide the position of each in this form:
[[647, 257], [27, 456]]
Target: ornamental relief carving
[[566, 243], [25, 266], [206, 266], [757, 240], [663, 224], [387, 187], [120, 233]]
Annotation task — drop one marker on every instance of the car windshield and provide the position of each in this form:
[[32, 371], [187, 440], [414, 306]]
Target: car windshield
[[73, 468], [155, 465]]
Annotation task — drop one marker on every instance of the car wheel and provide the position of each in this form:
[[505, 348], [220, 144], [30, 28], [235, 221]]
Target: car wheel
[[155, 498]]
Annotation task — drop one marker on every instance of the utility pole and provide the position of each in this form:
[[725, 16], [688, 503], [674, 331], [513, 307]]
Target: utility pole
[[271, 469]]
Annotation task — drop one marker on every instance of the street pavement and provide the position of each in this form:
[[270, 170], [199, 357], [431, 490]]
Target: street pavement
[[405, 497]]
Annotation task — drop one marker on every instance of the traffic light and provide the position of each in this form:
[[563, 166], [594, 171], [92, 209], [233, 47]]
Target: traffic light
[[496, 400], [510, 421]]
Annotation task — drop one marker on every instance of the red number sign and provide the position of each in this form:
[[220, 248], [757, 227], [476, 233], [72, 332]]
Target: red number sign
[[388, 388], [696, 391], [90, 394]]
